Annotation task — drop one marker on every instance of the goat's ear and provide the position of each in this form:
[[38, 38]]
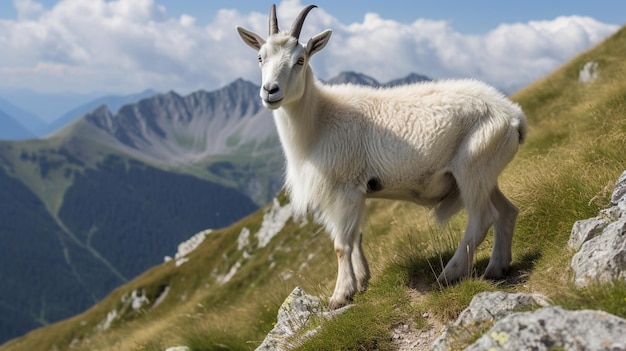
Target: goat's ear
[[252, 39], [318, 42]]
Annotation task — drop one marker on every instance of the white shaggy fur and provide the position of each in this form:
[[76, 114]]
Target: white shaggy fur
[[439, 144]]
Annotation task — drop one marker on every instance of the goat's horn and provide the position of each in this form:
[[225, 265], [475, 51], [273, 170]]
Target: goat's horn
[[296, 27], [273, 20]]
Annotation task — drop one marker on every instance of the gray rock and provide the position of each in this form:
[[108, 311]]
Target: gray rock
[[552, 328], [485, 307], [619, 193], [602, 242], [603, 258], [294, 316], [585, 230], [588, 73]]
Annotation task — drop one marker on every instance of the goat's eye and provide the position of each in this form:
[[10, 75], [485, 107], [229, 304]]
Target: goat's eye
[[300, 61], [260, 59]]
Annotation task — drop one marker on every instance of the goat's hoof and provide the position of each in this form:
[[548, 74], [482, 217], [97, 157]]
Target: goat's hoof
[[336, 304], [446, 278], [333, 305], [443, 280], [499, 273]]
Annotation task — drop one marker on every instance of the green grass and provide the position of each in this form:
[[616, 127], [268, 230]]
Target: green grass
[[610, 297]]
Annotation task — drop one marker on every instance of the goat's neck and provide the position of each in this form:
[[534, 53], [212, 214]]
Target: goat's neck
[[297, 122]]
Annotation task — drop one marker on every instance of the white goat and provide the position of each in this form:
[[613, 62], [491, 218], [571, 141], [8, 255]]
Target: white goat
[[438, 144]]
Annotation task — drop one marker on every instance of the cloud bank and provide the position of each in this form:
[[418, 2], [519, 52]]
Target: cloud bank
[[126, 46]]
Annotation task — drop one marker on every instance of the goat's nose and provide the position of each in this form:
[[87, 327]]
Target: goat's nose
[[271, 88]]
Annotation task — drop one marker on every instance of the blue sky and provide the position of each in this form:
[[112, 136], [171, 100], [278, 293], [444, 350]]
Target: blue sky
[[465, 16], [125, 46]]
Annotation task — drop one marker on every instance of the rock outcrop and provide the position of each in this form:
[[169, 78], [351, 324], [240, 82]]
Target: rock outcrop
[[553, 328], [546, 328], [484, 309], [602, 242], [294, 316]]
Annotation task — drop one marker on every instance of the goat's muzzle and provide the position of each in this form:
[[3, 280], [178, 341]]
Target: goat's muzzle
[[272, 95]]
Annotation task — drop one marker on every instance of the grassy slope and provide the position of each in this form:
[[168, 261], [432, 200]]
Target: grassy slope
[[564, 172]]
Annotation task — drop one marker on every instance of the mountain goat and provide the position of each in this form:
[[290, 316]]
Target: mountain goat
[[438, 144]]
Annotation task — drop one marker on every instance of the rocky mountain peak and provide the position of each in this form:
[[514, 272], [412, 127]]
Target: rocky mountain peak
[[173, 128]]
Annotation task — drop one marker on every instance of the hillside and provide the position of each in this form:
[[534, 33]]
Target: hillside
[[225, 294], [85, 211], [116, 220]]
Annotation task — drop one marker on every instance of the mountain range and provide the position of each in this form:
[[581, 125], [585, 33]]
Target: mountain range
[[363, 79], [101, 200], [32, 125], [16, 123]]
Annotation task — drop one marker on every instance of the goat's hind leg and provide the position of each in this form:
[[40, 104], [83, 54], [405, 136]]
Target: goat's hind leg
[[481, 214], [359, 263], [503, 236]]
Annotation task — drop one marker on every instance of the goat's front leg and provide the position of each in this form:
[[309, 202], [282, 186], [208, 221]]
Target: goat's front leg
[[344, 220], [346, 286]]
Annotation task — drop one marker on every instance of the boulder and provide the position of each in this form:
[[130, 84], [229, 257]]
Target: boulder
[[586, 229], [603, 258], [294, 315], [553, 328], [483, 310], [619, 193], [602, 242], [589, 72]]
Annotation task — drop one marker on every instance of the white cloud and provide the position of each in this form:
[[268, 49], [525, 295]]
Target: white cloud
[[187, 21], [128, 45], [509, 56]]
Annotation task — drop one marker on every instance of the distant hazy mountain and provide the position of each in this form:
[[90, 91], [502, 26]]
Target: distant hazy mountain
[[113, 103], [363, 79], [47, 106], [353, 78], [10, 129], [26, 119], [410, 79]]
